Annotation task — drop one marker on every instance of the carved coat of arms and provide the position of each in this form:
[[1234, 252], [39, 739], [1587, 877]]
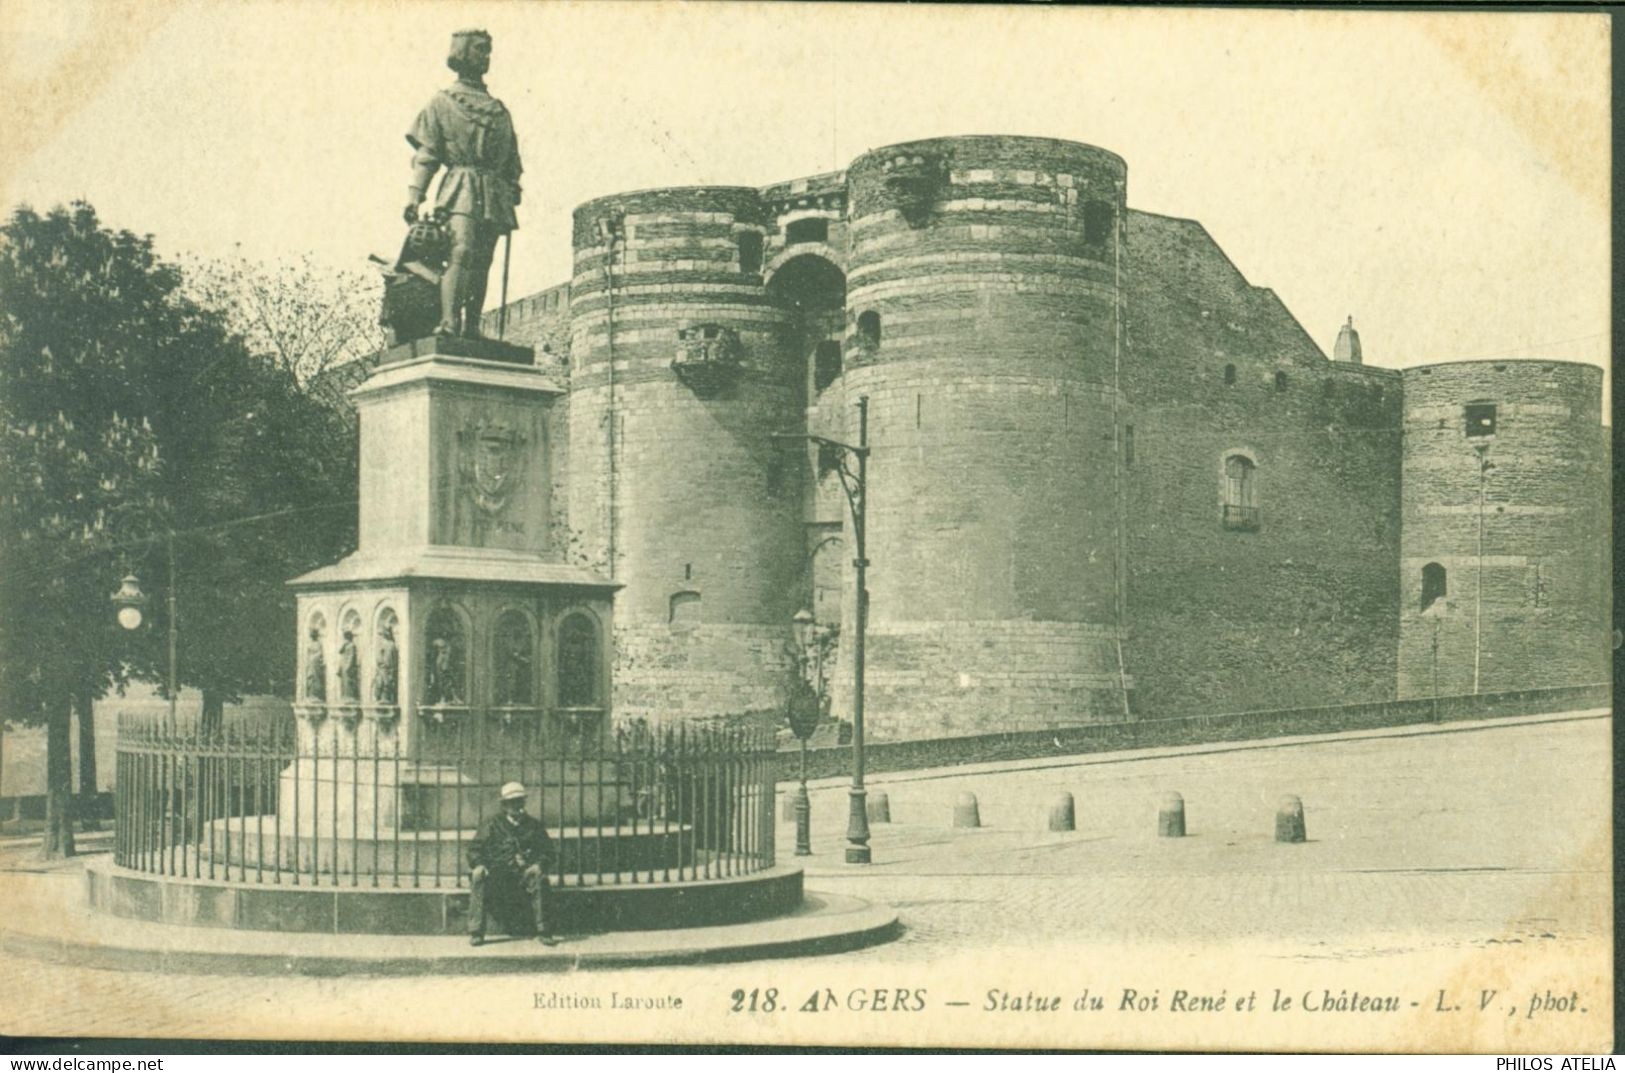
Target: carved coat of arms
[[491, 460]]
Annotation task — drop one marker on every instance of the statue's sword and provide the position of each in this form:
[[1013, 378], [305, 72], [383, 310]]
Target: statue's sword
[[502, 314]]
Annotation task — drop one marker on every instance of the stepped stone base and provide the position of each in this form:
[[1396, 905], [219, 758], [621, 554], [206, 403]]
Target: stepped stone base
[[590, 907], [419, 857]]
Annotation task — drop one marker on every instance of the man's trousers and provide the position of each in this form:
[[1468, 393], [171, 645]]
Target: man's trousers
[[511, 897]]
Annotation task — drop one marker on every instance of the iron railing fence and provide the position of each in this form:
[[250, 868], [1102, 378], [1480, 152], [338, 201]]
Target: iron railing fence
[[350, 800]]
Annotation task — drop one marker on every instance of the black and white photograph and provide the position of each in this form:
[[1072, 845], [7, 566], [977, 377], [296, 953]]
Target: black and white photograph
[[806, 525]]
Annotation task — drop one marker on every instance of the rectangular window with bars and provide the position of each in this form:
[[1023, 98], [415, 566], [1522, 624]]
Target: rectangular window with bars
[[1480, 419]]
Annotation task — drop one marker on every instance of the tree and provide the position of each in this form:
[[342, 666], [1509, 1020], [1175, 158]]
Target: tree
[[303, 318], [286, 442], [132, 416], [80, 312]]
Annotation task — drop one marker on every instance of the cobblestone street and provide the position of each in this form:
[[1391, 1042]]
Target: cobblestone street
[[1490, 839]]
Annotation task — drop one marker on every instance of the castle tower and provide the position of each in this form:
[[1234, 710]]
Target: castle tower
[[1347, 347], [1505, 528], [682, 373], [983, 318]]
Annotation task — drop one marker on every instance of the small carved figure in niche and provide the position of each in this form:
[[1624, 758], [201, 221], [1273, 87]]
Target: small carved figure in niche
[[349, 669], [442, 686], [514, 682], [386, 669], [315, 667]]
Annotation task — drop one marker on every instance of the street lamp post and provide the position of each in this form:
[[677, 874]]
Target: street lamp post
[[1435, 668], [852, 465], [130, 601], [804, 712], [1484, 467]]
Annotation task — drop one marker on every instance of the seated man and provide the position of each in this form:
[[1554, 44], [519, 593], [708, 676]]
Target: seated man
[[508, 863]]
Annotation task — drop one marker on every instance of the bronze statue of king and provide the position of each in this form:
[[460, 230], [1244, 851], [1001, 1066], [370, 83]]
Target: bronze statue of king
[[469, 133]]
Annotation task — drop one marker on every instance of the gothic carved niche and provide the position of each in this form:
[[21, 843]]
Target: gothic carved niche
[[707, 358], [349, 664], [445, 661], [911, 182], [315, 684], [386, 664], [491, 462], [515, 683]]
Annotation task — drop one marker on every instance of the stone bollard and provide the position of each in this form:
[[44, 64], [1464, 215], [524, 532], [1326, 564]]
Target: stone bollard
[[879, 807], [1062, 816], [1289, 820], [1171, 816], [966, 813]]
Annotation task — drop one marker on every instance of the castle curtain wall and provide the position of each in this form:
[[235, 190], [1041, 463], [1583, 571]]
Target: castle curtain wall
[[1105, 468], [1294, 602]]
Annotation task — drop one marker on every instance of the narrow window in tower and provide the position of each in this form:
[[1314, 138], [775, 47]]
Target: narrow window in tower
[[1097, 221], [826, 364], [1128, 445], [808, 229], [1230, 374], [750, 252], [1480, 419], [1240, 493], [1280, 381], [1435, 585], [869, 327]]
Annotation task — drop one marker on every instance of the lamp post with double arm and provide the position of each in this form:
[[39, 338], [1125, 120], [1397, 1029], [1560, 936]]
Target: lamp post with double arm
[[852, 466]]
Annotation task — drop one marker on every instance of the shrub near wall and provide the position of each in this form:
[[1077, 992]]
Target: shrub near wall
[[1189, 730]]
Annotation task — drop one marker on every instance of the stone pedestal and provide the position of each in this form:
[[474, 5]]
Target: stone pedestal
[[456, 648]]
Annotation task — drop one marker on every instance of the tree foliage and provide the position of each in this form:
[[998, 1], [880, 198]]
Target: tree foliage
[[306, 320], [132, 414], [79, 310]]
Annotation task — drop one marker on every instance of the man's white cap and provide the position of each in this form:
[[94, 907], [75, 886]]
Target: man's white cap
[[513, 791]]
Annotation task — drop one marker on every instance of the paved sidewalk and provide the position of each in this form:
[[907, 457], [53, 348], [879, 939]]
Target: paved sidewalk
[[46, 918], [1457, 834], [1429, 848]]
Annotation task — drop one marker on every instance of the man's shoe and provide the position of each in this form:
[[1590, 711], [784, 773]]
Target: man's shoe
[[548, 940], [475, 940]]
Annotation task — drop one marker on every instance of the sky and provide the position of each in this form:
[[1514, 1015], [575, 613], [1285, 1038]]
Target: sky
[[1441, 177]]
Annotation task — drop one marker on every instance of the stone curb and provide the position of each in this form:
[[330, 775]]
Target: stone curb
[[887, 779], [834, 924]]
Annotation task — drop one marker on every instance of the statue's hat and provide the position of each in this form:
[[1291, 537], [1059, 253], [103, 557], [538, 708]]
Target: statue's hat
[[460, 42]]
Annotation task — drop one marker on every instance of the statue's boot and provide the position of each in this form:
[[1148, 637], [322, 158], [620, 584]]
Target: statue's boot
[[452, 288], [474, 300]]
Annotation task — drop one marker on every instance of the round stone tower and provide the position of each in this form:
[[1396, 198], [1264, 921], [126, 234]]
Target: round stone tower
[[1504, 546], [678, 492], [983, 308]]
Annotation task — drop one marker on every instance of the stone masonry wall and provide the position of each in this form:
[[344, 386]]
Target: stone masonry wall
[[1303, 609], [1054, 390], [680, 489], [992, 524], [1544, 616]]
